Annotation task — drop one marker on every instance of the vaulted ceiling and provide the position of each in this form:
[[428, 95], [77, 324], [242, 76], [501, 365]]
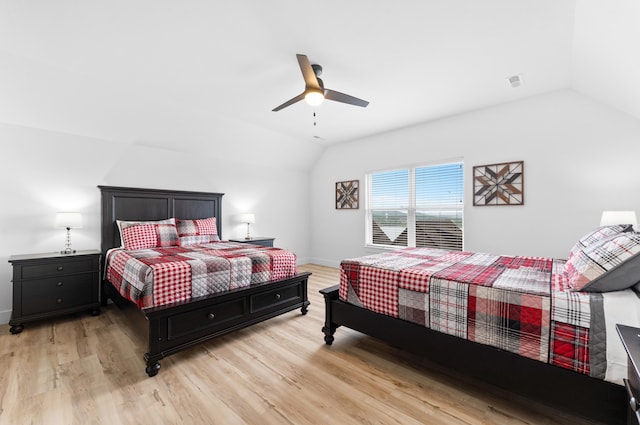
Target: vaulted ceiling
[[203, 76]]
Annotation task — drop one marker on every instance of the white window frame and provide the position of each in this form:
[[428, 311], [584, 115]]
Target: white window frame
[[411, 204]]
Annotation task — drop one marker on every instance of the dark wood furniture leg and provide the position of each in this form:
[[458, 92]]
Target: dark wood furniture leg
[[330, 294]]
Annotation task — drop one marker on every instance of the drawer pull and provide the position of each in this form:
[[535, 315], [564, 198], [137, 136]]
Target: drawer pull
[[211, 316], [59, 284], [60, 268], [59, 300], [277, 296]]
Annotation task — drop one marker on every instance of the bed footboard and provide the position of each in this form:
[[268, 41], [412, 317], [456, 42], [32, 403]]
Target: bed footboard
[[180, 326], [564, 389]]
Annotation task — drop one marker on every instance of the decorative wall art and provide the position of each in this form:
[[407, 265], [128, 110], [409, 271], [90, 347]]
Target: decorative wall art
[[347, 196], [499, 184]]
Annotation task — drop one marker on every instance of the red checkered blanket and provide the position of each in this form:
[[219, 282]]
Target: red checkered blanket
[[160, 276], [519, 304]]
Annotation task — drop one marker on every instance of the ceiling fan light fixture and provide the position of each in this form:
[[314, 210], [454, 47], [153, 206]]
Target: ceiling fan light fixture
[[314, 97], [314, 92]]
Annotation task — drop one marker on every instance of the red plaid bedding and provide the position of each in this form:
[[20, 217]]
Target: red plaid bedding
[[159, 276], [519, 304]]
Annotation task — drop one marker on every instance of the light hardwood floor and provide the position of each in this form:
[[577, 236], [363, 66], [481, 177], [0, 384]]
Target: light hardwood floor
[[89, 370]]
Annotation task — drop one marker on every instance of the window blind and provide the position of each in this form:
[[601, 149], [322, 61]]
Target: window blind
[[420, 206], [389, 208]]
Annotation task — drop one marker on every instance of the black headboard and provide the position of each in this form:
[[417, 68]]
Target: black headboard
[[126, 203]]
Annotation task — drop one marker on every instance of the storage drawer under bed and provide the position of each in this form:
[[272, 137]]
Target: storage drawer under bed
[[275, 298], [209, 318], [233, 310]]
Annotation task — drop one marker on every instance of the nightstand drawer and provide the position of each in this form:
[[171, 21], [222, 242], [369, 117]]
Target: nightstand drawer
[[262, 241], [57, 268], [51, 294]]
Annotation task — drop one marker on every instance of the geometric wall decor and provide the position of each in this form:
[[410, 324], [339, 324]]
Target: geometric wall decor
[[347, 196], [499, 184]]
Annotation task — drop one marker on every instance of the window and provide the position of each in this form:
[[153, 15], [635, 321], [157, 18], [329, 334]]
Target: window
[[416, 207]]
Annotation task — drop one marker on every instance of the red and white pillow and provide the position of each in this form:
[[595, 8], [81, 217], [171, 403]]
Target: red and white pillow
[[610, 264], [140, 236], [148, 234], [199, 231], [598, 234]]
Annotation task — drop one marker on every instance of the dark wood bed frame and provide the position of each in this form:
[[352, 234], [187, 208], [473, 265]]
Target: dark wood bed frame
[[179, 326], [561, 388]]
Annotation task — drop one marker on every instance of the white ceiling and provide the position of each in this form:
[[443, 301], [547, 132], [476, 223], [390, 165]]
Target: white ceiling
[[203, 76]]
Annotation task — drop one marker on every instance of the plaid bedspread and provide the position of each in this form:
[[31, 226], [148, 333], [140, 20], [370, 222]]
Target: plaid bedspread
[[519, 304], [160, 276]]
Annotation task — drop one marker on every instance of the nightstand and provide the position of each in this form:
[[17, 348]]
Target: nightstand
[[257, 240], [53, 284], [631, 340]]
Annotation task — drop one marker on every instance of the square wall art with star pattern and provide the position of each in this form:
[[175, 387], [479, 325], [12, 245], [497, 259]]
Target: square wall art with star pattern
[[347, 196], [499, 184]]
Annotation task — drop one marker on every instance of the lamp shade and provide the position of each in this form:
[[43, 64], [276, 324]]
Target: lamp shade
[[72, 220], [618, 217], [247, 218]]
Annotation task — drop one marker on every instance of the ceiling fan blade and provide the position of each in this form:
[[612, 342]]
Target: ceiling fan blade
[[344, 98], [289, 102], [309, 76]]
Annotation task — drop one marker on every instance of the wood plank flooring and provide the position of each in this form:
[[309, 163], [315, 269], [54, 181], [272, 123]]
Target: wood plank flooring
[[89, 370]]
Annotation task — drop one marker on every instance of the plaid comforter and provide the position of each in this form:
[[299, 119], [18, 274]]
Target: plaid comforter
[[160, 276], [519, 304]]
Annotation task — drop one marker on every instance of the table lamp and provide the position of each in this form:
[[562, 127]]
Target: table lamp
[[68, 220]]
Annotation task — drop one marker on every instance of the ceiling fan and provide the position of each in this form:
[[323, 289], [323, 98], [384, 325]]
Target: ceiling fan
[[314, 92]]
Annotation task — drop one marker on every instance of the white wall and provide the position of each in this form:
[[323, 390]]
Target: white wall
[[44, 172], [580, 157], [605, 32]]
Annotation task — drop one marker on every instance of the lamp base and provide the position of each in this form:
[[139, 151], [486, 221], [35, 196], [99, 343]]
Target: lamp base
[[67, 246]]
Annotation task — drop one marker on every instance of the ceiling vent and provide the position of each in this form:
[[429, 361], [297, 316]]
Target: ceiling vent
[[515, 81]]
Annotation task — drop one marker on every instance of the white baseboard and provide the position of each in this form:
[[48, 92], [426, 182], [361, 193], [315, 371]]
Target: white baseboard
[[323, 262], [5, 315]]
